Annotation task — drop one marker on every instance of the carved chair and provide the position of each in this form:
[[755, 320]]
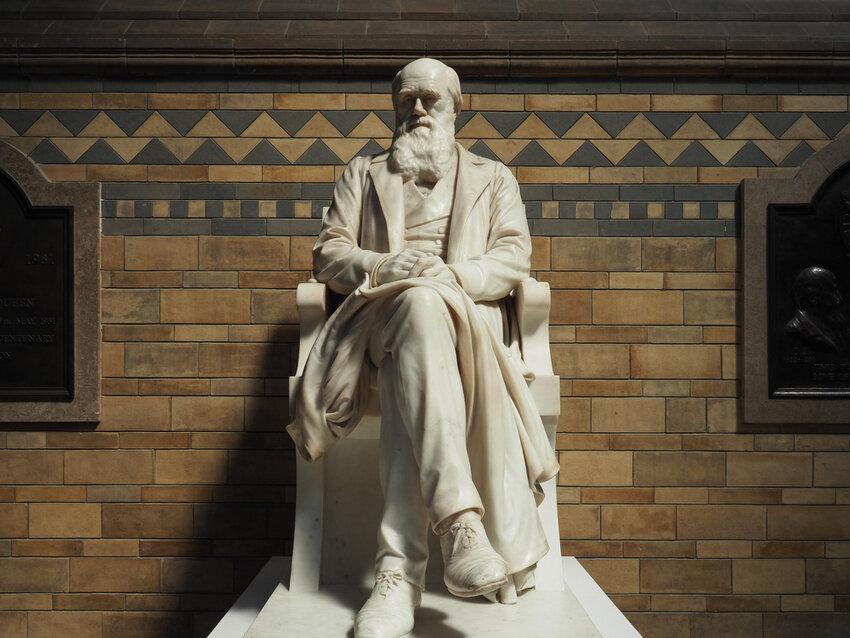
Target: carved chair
[[338, 498]]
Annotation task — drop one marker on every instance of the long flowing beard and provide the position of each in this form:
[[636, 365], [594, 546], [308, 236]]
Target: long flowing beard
[[424, 153]]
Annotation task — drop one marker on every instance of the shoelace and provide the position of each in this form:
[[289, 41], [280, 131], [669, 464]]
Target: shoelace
[[387, 581], [463, 533]]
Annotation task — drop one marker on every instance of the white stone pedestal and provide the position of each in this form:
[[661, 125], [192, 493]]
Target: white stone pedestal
[[268, 609]]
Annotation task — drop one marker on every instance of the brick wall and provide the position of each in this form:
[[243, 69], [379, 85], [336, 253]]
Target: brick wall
[[151, 523]]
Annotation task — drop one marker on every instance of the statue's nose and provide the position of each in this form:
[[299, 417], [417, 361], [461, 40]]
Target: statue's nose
[[418, 109]]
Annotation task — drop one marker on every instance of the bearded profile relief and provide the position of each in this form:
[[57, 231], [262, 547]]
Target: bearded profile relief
[[818, 322]]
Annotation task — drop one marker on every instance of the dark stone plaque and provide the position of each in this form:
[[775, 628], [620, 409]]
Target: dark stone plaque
[[808, 292], [36, 332]]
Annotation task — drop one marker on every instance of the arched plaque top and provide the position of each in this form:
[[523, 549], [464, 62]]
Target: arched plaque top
[[50, 296]]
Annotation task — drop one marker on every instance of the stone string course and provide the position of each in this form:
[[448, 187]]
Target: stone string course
[[153, 522]]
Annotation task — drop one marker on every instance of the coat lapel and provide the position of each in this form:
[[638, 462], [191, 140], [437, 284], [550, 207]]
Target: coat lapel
[[472, 179], [388, 186]]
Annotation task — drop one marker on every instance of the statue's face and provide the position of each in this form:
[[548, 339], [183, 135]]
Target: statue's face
[[423, 99]]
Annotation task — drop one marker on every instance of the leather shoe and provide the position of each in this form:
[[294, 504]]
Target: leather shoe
[[472, 566], [388, 613]]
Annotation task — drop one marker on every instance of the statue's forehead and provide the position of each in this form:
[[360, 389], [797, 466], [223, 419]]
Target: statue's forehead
[[423, 74]]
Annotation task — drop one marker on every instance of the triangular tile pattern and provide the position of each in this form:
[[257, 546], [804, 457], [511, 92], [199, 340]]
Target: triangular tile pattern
[[74, 120], [695, 155], [723, 123], [480, 148], [613, 122], [505, 121], [371, 148], [237, 121], [102, 126], [100, 153], [559, 122], [345, 148], [560, 150], [614, 150], [127, 147], [750, 155], [318, 155], [641, 155], [533, 155], [182, 147], [209, 126], [669, 150], [506, 150], [74, 147], [182, 121], [804, 129], [20, 120], [777, 123], [264, 126], [156, 126], [800, 154], [695, 128], [345, 121], [264, 153], [128, 121], [588, 155], [640, 128], [237, 147], [46, 126], [292, 148], [155, 153], [586, 128], [462, 118], [533, 128], [318, 126], [830, 123], [776, 150], [291, 121], [387, 117], [372, 126], [749, 129], [47, 153], [480, 128], [209, 153], [667, 123]]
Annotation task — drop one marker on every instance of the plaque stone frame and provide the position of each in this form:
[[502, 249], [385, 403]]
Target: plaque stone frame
[[756, 195], [83, 200]]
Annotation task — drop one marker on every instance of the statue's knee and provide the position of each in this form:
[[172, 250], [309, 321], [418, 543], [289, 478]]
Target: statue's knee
[[420, 308]]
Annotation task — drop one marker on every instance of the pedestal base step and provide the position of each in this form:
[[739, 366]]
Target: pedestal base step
[[581, 610]]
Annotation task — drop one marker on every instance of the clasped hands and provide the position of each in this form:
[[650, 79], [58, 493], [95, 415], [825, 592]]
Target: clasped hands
[[411, 263]]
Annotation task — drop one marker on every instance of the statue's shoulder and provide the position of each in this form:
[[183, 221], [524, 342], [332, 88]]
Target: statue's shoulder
[[361, 163]]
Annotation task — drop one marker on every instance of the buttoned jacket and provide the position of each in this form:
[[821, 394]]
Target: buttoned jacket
[[489, 249]]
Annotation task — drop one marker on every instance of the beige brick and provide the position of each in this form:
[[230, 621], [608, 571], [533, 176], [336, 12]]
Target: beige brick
[[681, 495], [205, 306], [703, 388], [210, 279], [191, 466], [596, 253], [592, 549], [147, 520], [575, 415], [808, 496], [812, 103], [312, 101], [176, 494], [724, 549], [595, 468], [108, 547], [699, 280], [578, 521], [113, 493], [59, 548], [208, 413], [25, 602], [26, 440], [672, 102], [136, 413], [678, 603], [627, 414], [743, 603], [112, 359], [832, 469], [716, 307], [606, 388], [678, 254], [130, 306], [611, 334], [685, 415], [274, 306], [301, 253], [137, 333], [560, 103], [244, 253], [161, 359], [712, 625], [675, 362], [617, 495], [673, 576], [161, 253], [727, 253], [13, 625], [636, 280], [637, 307], [591, 361], [638, 521], [722, 415], [574, 280], [89, 602], [50, 494], [646, 442], [808, 522], [26, 467], [33, 575], [114, 574], [243, 360], [79, 624], [248, 333], [112, 253], [665, 625], [718, 442], [289, 174], [174, 387], [616, 175], [13, 520], [721, 521], [807, 603], [622, 102], [769, 469], [570, 307], [679, 468], [733, 496], [64, 520], [829, 576], [768, 576], [108, 466], [614, 575], [196, 332]]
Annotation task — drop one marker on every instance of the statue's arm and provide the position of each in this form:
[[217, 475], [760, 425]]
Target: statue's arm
[[507, 259], [338, 259]]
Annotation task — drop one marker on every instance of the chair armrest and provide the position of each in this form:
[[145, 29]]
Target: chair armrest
[[532, 306], [312, 302]]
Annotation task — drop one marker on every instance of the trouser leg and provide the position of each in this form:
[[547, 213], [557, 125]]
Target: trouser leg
[[425, 471]]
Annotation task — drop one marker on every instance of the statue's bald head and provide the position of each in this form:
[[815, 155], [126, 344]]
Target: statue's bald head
[[430, 69]]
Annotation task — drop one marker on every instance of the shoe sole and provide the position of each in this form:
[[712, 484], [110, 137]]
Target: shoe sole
[[480, 591]]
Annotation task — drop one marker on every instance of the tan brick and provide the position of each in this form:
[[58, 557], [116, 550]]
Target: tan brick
[[108, 466], [147, 624], [197, 575], [25, 602], [832, 469], [136, 413], [560, 102], [312, 101], [112, 359], [574, 280], [664, 625], [640, 307], [811, 103], [147, 520], [130, 306], [274, 306], [50, 494], [675, 361], [89, 602], [712, 625], [196, 332], [681, 495], [13, 625], [807, 603], [722, 415], [33, 575], [743, 603], [243, 360], [614, 575], [592, 549], [638, 521], [578, 521], [727, 253], [137, 333], [721, 521], [830, 576], [301, 253], [113, 493], [718, 442], [596, 253], [156, 440], [146, 279], [208, 413], [610, 414], [591, 361], [808, 496], [606, 388], [595, 468], [114, 574], [64, 520], [679, 468], [161, 253], [13, 520], [112, 253], [808, 522], [636, 280], [685, 415], [210, 279], [716, 307], [617, 495], [645, 442], [673, 102], [678, 254], [788, 549], [611, 334], [673, 576], [108, 547], [25, 440], [768, 576], [724, 549], [699, 281], [86, 440], [79, 624], [289, 174], [622, 102], [205, 306], [161, 359], [59, 548], [191, 466], [177, 494], [24, 467], [244, 253], [575, 415], [570, 307], [174, 387], [768, 469]]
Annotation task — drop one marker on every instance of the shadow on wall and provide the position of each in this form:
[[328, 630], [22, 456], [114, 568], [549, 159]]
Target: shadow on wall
[[249, 515]]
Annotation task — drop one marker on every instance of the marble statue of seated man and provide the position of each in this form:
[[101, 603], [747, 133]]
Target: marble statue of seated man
[[427, 241]]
